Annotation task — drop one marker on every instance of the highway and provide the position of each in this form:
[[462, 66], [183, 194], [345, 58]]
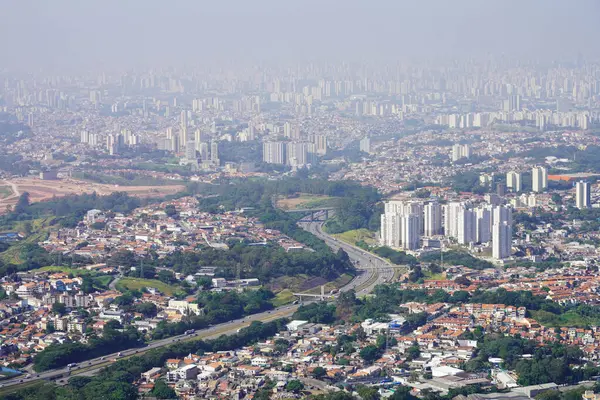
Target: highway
[[89, 367], [375, 270]]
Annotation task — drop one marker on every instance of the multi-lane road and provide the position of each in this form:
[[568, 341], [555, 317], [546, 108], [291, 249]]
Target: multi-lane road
[[375, 270], [90, 367]]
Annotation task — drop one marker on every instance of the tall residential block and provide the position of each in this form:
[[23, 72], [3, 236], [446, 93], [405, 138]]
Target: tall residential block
[[501, 240], [583, 194], [513, 181], [539, 179]]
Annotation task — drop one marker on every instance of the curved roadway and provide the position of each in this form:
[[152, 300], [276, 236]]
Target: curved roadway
[[376, 271]]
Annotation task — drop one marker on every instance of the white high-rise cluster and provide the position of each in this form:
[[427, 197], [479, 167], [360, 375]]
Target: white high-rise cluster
[[460, 151], [403, 223]]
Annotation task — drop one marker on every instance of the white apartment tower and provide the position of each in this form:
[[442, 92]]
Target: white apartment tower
[[501, 240], [433, 219], [483, 216], [460, 151], [365, 145], [402, 224], [539, 179], [297, 154], [409, 226], [513, 181], [390, 230], [466, 226], [273, 152], [451, 211], [582, 194]]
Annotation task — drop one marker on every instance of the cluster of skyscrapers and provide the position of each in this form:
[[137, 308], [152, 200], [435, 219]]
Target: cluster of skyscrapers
[[542, 119], [114, 142], [295, 153], [460, 151], [404, 223]]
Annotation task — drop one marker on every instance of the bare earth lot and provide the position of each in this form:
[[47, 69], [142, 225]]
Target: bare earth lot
[[43, 190], [305, 201]]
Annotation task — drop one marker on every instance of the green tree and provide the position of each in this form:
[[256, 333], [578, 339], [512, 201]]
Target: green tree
[[294, 386], [204, 282], [171, 211], [59, 308], [22, 204], [148, 309], [402, 393], [87, 286], [549, 395], [162, 391], [368, 392], [360, 333], [79, 382], [319, 372], [413, 352], [370, 353], [166, 276], [281, 346]]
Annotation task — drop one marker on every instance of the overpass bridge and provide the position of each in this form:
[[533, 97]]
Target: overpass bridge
[[314, 214], [323, 296]]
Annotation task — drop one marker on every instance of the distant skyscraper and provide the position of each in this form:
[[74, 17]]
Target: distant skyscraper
[[204, 151], [451, 211], [513, 103], [287, 129], [483, 216], [183, 135], [460, 151], [513, 181], [501, 240], [85, 136], [198, 136], [501, 214], [112, 144], [214, 152], [466, 226], [273, 152], [402, 224], [390, 230], [190, 151], [321, 144], [583, 194], [539, 179], [365, 145], [297, 154], [500, 189], [433, 219], [409, 226], [175, 144]]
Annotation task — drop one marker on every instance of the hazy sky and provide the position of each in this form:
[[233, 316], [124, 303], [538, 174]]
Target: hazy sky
[[121, 33]]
